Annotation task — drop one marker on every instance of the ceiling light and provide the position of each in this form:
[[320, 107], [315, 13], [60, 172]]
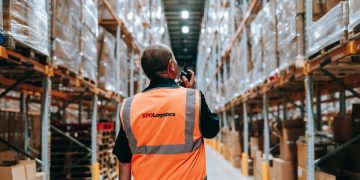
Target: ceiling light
[[185, 29], [185, 14]]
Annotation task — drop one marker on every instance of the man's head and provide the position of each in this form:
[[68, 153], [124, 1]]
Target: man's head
[[158, 60]]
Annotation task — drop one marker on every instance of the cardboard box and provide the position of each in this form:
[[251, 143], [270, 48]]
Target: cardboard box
[[320, 150], [16, 172], [258, 165], [288, 143], [30, 169], [324, 176], [301, 173], [347, 126], [40, 175], [320, 7], [8, 156], [256, 144], [284, 170]]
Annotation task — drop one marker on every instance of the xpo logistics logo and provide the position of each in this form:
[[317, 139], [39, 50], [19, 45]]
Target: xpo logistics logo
[[156, 115]]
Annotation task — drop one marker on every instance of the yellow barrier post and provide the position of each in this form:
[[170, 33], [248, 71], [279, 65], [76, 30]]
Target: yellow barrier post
[[95, 171], [244, 164], [265, 171]]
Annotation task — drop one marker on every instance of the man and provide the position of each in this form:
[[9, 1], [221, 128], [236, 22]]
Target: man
[[163, 127]]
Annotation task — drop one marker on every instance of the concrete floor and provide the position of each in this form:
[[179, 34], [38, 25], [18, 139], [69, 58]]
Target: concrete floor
[[219, 168]]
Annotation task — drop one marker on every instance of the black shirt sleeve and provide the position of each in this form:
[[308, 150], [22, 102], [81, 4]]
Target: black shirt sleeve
[[121, 148], [209, 122]]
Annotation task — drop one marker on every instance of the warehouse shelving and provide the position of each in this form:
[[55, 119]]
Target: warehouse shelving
[[29, 76], [335, 69]]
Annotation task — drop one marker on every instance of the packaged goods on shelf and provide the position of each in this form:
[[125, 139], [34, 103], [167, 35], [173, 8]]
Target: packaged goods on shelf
[[26, 22], [257, 53], [329, 29], [287, 34], [270, 42], [354, 14], [123, 72], [284, 170], [89, 31], [238, 80], [66, 32], [107, 62]]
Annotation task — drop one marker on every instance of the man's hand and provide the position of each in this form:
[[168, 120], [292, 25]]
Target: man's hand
[[124, 171], [191, 83]]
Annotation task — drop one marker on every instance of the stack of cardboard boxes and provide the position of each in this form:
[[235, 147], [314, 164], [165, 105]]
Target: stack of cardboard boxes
[[107, 63], [89, 32], [74, 34], [257, 147], [66, 31], [26, 22], [331, 27], [11, 168], [232, 146], [284, 167]]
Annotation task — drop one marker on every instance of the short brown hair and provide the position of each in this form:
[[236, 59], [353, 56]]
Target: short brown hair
[[155, 59]]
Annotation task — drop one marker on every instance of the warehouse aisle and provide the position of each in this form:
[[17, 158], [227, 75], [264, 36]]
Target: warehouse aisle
[[219, 168]]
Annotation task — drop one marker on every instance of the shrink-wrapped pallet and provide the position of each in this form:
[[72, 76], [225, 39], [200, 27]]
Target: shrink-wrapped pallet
[[287, 35], [66, 32], [269, 33], [26, 22], [354, 14], [107, 63], [329, 29], [89, 31], [257, 53], [123, 70]]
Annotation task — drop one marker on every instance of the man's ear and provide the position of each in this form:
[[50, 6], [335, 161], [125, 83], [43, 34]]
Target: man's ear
[[171, 65]]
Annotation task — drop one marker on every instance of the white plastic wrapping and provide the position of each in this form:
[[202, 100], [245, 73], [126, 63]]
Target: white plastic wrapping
[[327, 30], [270, 43], [287, 35], [66, 32], [123, 70], [89, 31], [354, 14], [257, 54], [88, 66], [27, 23], [107, 63]]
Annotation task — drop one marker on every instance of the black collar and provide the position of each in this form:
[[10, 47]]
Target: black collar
[[160, 82]]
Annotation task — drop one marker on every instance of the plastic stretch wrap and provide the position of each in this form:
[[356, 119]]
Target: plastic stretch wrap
[[107, 62], [88, 66], [327, 30], [257, 54], [354, 17], [66, 34], [66, 55], [27, 23], [89, 31], [243, 65], [90, 16], [287, 35], [124, 69], [269, 34]]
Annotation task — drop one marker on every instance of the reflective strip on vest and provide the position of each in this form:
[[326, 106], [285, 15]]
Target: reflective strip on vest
[[189, 146]]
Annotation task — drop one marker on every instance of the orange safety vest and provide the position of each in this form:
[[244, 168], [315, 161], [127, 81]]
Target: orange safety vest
[[163, 130]]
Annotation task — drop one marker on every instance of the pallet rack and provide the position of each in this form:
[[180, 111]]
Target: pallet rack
[[335, 70], [30, 77]]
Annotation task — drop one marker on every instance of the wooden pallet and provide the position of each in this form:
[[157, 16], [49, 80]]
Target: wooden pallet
[[25, 50], [355, 32], [327, 49]]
